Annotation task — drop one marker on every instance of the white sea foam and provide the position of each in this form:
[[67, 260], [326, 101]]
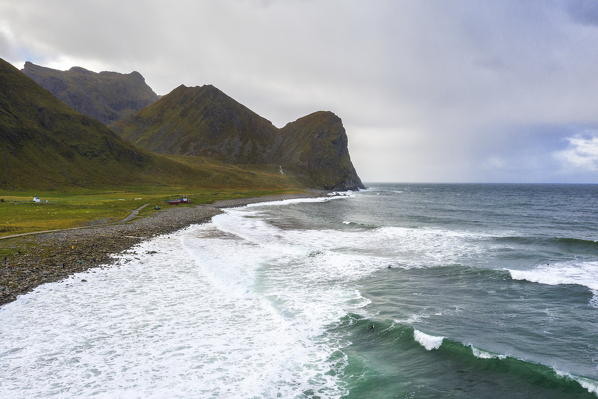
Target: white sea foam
[[572, 272], [233, 308], [587, 383], [330, 197], [415, 317], [482, 354], [430, 342], [581, 273]]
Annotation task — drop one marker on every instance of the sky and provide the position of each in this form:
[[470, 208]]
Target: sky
[[428, 90]]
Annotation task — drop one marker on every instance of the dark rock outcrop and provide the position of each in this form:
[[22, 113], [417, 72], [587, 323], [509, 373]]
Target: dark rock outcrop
[[315, 149], [105, 96]]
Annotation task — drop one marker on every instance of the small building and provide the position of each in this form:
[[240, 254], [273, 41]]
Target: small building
[[180, 200]]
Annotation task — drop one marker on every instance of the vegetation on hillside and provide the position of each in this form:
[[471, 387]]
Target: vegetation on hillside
[[204, 121], [45, 145]]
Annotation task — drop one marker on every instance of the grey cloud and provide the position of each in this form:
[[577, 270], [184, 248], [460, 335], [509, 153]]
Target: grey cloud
[[427, 89]]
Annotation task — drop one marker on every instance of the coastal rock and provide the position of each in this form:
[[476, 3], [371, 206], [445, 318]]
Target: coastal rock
[[315, 149]]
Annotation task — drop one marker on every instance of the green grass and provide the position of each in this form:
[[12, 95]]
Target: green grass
[[19, 214]]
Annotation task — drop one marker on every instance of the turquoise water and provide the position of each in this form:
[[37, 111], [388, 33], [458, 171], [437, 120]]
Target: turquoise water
[[505, 273], [399, 291]]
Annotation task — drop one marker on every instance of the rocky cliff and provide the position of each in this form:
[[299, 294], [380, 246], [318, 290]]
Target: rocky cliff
[[205, 121], [105, 96], [315, 149]]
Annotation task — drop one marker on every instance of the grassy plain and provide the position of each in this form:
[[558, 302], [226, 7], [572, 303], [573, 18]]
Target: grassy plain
[[66, 209]]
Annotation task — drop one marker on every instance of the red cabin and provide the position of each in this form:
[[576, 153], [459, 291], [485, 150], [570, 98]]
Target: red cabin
[[181, 200]]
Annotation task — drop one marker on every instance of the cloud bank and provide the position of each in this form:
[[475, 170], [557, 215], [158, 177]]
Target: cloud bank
[[582, 153], [428, 90]]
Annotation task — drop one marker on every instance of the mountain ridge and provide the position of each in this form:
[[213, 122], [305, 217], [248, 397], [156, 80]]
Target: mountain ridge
[[106, 96], [45, 144], [222, 128], [204, 121]]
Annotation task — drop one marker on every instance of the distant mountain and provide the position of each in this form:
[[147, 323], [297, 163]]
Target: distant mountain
[[204, 121], [44, 144], [105, 96]]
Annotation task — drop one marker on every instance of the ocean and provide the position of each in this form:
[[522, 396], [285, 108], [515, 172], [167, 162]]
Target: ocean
[[398, 291]]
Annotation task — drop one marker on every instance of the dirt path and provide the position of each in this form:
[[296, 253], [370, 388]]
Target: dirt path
[[133, 214]]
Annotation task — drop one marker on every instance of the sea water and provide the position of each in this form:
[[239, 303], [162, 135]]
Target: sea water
[[398, 291]]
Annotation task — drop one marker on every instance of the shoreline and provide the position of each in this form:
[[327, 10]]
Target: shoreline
[[53, 256]]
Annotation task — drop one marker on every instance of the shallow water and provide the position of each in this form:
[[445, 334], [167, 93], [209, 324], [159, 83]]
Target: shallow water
[[408, 291]]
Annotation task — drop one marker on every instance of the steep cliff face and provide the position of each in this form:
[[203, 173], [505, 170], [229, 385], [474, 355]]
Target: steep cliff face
[[315, 149], [201, 121], [105, 96], [205, 121]]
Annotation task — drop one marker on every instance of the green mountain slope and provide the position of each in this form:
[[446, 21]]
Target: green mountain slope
[[201, 121], [205, 121], [44, 144], [105, 96]]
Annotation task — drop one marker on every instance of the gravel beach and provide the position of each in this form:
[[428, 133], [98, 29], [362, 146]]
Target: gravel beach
[[53, 256]]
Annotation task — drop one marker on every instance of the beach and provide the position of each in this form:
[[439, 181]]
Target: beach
[[54, 256], [400, 290]]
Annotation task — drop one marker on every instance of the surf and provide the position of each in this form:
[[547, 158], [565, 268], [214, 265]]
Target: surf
[[408, 343]]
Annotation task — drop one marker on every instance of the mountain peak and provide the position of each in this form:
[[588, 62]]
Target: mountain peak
[[318, 117], [201, 120], [316, 146], [137, 75], [79, 69]]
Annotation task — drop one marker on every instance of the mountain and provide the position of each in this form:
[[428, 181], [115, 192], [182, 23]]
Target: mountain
[[205, 121], [201, 121], [105, 96], [44, 144], [315, 149]]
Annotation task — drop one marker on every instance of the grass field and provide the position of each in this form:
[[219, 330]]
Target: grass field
[[19, 214]]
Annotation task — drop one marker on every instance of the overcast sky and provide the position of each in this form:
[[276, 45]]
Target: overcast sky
[[428, 90]]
